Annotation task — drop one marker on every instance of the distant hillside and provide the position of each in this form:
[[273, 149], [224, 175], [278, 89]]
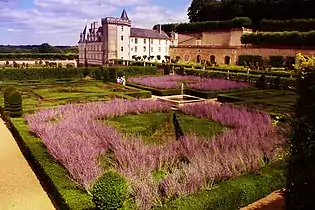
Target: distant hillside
[[43, 48]]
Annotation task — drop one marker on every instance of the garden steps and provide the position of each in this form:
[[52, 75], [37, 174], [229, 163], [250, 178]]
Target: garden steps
[[19, 186]]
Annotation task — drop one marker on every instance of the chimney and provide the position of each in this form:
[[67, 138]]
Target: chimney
[[160, 28]]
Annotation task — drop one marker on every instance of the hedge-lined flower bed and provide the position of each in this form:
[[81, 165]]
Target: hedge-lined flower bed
[[193, 82], [75, 138]]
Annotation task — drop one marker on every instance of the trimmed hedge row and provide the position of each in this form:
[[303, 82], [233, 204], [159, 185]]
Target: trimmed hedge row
[[255, 72], [58, 73], [244, 77], [214, 94], [237, 22], [293, 38], [274, 61], [38, 56], [302, 25], [236, 193]]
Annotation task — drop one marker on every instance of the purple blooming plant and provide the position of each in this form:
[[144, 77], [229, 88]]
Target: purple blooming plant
[[193, 82], [76, 138]]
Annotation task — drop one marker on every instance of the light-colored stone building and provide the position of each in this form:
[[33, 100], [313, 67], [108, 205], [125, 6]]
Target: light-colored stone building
[[116, 39], [222, 47]]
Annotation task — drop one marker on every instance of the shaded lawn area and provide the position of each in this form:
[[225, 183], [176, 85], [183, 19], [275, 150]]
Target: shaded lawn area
[[272, 101], [153, 127]]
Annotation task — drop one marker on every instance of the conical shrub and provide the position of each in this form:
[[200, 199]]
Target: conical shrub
[[13, 105], [7, 91]]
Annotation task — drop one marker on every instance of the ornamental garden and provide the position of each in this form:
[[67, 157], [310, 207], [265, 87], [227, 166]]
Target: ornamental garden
[[97, 144]]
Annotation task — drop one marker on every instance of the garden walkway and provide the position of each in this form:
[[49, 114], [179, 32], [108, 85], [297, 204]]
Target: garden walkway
[[19, 186]]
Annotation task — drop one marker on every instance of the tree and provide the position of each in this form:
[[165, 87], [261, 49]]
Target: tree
[[300, 185]]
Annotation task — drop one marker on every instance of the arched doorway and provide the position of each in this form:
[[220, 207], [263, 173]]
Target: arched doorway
[[212, 59], [198, 58], [227, 60]]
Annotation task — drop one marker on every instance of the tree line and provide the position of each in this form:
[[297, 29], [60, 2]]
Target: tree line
[[43, 48], [256, 10]]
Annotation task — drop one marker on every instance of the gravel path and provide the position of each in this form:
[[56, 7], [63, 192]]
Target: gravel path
[[273, 201], [19, 186]]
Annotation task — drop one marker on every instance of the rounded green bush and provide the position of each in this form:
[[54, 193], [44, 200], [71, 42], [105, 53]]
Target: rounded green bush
[[110, 191], [7, 91], [15, 98]]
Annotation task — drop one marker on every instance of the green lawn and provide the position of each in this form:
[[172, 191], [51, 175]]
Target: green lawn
[[153, 127], [272, 101]]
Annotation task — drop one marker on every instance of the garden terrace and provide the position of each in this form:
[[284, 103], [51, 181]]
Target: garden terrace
[[194, 85], [272, 101], [51, 93], [157, 173]]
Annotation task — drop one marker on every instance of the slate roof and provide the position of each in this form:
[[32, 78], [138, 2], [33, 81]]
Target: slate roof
[[147, 33], [124, 15]]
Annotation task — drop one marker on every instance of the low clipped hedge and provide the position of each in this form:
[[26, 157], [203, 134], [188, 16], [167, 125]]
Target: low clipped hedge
[[214, 94], [61, 73], [236, 193], [44, 56], [285, 82]]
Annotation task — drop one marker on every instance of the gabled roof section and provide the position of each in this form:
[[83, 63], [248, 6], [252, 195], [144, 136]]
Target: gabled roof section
[[124, 15], [147, 33]]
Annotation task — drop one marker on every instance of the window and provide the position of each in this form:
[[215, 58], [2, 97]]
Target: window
[[144, 41], [165, 49], [186, 58], [132, 40], [166, 42], [122, 38], [151, 41], [151, 49], [159, 49], [122, 28], [144, 49], [132, 49], [136, 40], [121, 49], [122, 58], [136, 48], [159, 41]]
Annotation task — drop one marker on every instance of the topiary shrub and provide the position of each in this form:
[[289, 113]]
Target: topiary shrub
[[7, 91], [110, 191], [13, 105]]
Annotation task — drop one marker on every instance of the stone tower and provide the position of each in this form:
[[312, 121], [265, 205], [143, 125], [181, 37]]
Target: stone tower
[[116, 36]]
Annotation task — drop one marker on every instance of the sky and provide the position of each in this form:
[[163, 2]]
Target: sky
[[60, 22]]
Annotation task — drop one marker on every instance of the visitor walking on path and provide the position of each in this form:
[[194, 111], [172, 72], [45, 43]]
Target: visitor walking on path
[[19, 186]]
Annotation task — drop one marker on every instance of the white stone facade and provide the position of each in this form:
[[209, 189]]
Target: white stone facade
[[116, 39]]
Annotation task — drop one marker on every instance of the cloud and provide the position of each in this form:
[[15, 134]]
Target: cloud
[[59, 22]]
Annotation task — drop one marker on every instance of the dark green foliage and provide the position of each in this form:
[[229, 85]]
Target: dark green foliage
[[86, 72], [112, 74], [44, 56], [7, 91], [276, 61], [237, 22], [106, 77], [300, 187], [249, 60], [13, 103], [277, 83], [302, 25], [178, 130], [167, 69], [120, 74], [97, 73], [293, 38], [235, 193], [110, 191], [261, 83]]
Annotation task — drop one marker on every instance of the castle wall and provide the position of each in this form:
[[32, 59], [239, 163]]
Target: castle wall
[[220, 54], [221, 38]]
